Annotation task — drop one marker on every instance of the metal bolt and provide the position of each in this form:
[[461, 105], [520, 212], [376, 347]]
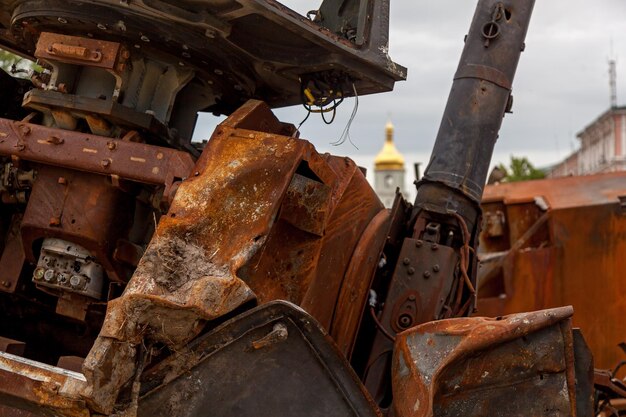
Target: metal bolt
[[419, 244], [436, 268], [55, 140], [426, 274], [39, 272], [411, 297], [105, 163], [434, 246], [111, 145], [76, 282], [62, 181], [406, 261], [145, 38], [55, 221], [6, 284], [25, 130], [410, 271], [405, 321], [49, 275]]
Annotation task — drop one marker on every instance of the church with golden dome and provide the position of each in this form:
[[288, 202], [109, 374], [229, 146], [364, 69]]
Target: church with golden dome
[[388, 169]]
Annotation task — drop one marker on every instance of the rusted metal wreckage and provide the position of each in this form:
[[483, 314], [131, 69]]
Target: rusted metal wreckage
[[540, 243], [143, 274]]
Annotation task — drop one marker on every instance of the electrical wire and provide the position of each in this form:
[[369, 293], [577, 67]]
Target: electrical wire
[[308, 113], [334, 110], [380, 326], [345, 135], [464, 253]]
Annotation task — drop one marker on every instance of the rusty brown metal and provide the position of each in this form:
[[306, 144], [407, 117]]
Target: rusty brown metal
[[199, 266], [573, 255], [41, 389], [80, 51], [519, 365], [133, 161], [13, 257], [358, 281], [88, 210]]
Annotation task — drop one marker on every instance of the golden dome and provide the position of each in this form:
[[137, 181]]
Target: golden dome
[[389, 158]]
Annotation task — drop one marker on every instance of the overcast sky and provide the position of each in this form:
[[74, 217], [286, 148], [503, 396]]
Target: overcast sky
[[561, 85]]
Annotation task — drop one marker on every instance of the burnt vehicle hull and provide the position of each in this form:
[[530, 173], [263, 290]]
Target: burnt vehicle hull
[[250, 275], [541, 243]]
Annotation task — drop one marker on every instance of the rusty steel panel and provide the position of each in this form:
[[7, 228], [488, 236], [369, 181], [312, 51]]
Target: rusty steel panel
[[81, 51], [355, 209], [84, 208], [212, 252], [574, 258], [519, 365], [560, 193], [100, 155], [40, 389], [358, 281]]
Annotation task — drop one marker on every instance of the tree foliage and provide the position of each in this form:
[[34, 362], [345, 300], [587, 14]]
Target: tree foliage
[[8, 60], [521, 169]]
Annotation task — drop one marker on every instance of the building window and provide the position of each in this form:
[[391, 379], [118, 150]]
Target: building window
[[389, 181]]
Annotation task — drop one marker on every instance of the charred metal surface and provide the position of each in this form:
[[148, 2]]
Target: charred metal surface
[[539, 264], [279, 46], [518, 365], [198, 267], [230, 372], [479, 96], [583, 363]]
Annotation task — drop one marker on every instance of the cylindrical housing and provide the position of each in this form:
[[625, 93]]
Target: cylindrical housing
[[479, 97]]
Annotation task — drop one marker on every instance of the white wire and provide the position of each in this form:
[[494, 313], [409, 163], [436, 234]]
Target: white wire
[[345, 135]]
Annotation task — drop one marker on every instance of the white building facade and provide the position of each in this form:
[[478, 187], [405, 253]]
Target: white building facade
[[602, 147]]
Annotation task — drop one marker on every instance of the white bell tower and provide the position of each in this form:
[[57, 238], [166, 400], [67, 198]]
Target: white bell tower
[[388, 169]]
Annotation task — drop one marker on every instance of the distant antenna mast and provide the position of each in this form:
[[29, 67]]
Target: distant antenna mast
[[613, 82]]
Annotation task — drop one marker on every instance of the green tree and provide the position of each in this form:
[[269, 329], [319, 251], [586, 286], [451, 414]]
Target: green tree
[[8, 60], [521, 169]]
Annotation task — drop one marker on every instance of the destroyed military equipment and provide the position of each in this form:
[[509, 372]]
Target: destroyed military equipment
[[144, 274]]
